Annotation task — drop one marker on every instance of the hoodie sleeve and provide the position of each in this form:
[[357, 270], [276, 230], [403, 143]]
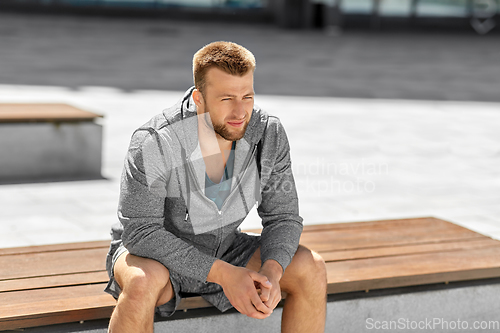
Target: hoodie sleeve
[[279, 209], [141, 209]]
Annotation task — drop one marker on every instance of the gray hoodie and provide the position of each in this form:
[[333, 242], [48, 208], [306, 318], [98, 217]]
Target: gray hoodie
[[163, 211]]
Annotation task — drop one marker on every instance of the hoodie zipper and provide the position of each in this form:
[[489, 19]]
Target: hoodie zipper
[[238, 182], [238, 179]]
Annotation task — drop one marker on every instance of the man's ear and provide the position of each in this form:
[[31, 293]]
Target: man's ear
[[198, 98]]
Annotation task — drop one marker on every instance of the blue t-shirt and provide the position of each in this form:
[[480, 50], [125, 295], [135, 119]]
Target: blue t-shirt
[[219, 192]]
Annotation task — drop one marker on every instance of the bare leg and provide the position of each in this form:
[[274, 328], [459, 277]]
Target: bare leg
[[305, 283], [145, 283]]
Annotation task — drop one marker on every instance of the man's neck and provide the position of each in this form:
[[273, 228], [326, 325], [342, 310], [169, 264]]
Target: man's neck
[[215, 151], [224, 145], [210, 142]]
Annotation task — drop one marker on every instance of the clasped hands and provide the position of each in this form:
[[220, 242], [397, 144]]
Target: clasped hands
[[254, 294]]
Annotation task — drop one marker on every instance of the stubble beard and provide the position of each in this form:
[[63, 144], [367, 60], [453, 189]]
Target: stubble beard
[[223, 131]]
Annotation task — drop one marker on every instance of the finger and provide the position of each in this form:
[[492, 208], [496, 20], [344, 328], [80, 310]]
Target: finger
[[262, 279], [273, 301], [249, 310], [270, 304], [258, 315], [259, 305], [277, 298], [265, 294]]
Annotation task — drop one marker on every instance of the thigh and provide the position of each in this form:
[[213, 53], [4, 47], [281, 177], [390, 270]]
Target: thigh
[[137, 274], [254, 263]]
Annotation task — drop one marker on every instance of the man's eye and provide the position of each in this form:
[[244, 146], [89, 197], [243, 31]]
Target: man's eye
[[226, 99]]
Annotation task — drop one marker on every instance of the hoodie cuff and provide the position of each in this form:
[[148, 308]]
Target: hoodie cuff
[[280, 255]]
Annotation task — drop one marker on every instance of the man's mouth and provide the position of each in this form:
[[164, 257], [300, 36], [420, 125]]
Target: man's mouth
[[236, 123]]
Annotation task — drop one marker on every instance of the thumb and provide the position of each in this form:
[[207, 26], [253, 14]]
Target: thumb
[[262, 279]]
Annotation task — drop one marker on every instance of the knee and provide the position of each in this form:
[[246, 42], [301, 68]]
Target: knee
[[310, 270], [320, 271], [146, 280]]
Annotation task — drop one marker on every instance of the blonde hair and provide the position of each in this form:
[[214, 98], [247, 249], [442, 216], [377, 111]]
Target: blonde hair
[[230, 57]]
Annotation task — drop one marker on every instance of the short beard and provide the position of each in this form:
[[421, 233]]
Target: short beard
[[222, 130], [224, 133]]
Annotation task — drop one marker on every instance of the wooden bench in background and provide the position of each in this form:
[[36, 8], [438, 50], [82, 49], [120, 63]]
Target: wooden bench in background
[[48, 142], [44, 285]]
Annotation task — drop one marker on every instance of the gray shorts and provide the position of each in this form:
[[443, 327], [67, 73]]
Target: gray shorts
[[238, 254]]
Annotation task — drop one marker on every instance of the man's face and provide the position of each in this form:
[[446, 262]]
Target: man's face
[[228, 99]]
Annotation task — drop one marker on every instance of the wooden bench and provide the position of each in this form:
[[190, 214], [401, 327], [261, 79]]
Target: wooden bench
[[43, 285], [48, 142]]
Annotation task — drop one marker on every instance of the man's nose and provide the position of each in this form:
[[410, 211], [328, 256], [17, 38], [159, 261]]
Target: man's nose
[[239, 110]]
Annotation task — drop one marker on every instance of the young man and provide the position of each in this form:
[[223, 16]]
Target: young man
[[191, 176]]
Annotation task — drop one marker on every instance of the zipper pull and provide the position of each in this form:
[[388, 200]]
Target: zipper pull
[[187, 216]]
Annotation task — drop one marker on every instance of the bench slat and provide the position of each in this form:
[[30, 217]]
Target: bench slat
[[409, 222], [43, 112], [67, 316], [53, 306], [328, 240], [53, 263], [416, 280], [11, 302], [364, 224], [68, 304], [53, 281], [463, 244], [413, 269], [54, 247]]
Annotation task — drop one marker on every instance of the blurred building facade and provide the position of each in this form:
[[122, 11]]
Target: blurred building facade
[[481, 15], [403, 8]]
